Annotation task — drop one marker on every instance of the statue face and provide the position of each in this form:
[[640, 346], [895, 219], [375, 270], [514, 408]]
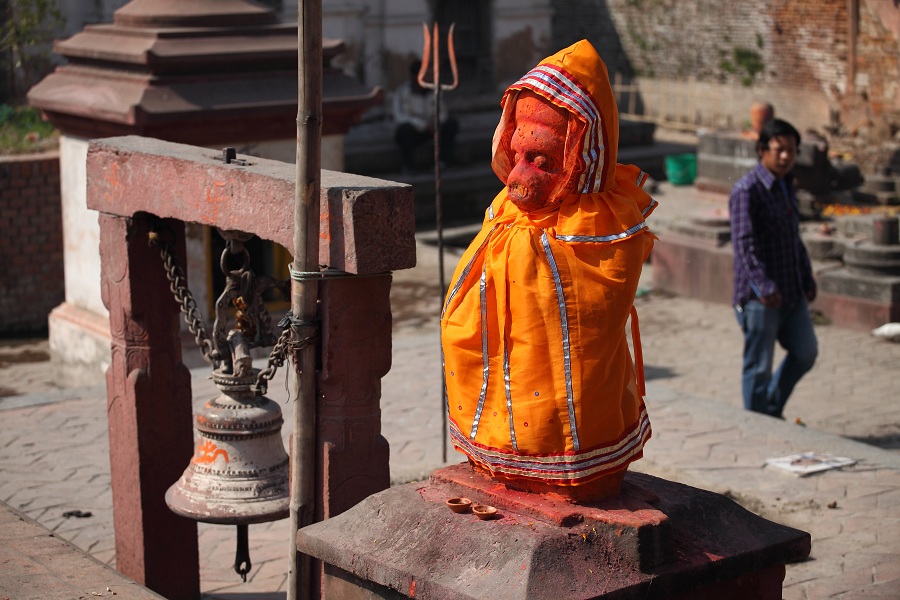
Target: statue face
[[539, 143]]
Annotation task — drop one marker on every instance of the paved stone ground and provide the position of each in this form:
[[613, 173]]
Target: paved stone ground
[[38, 565], [54, 453]]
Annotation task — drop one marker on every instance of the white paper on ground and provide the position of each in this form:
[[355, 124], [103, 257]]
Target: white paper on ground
[[807, 463]]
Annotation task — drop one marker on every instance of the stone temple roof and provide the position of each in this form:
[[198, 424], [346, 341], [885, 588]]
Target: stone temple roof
[[192, 71]]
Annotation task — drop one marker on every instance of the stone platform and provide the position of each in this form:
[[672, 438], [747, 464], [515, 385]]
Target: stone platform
[[658, 539], [35, 563], [694, 259]]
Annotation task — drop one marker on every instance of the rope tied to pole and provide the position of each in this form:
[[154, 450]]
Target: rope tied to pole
[[327, 273], [298, 334]]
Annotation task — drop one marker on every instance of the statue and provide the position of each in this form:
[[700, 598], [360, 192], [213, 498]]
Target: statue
[[542, 391], [760, 114]]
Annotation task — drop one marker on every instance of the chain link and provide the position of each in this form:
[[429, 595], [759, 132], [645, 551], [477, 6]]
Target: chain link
[[283, 349], [184, 297], [275, 362]]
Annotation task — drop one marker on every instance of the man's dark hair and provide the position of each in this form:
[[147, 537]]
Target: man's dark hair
[[773, 129]]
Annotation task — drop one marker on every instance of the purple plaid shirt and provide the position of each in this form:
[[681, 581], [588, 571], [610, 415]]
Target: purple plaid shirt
[[768, 254]]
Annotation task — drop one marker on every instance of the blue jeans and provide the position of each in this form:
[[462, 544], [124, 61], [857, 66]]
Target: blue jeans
[[792, 327]]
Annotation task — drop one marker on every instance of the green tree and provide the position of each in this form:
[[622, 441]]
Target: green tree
[[26, 26]]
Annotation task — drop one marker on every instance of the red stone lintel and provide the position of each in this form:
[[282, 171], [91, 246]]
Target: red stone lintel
[[367, 225]]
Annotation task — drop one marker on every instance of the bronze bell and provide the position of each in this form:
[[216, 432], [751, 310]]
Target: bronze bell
[[239, 472]]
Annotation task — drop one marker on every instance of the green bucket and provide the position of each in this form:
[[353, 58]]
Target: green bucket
[[681, 169]]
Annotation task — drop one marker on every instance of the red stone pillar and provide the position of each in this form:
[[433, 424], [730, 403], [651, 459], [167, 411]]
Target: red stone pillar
[[149, 406], [356, 354], [353, 459]]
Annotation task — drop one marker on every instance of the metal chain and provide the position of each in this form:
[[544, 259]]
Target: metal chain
[[275, 362], [183, 295], [285, 349], [282, 350]]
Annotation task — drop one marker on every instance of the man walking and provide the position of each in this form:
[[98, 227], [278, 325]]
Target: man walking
[[773, 278]]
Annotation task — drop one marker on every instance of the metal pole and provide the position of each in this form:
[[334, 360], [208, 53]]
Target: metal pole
[[305, 292], [438, 216], [431, 50], [438, 213]]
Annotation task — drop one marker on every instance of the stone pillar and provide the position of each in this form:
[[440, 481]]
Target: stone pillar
[[149, 406], [356, 354], [78, 328], [353, 456]]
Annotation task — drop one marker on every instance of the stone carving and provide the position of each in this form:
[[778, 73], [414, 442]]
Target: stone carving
[[542, 391]]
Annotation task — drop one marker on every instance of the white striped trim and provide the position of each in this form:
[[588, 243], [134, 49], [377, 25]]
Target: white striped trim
[[566, 347], [603, 238], [485, 359], [506, 386], [559, 467], [563, 89], [465, 273]]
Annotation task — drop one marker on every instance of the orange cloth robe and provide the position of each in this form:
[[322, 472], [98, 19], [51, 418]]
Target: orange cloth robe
[[541, 385]]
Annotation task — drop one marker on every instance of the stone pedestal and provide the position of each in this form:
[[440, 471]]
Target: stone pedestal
[[824, 245], [858, 301], [693, 258], [878, 188], [658, 539], [865, 293]]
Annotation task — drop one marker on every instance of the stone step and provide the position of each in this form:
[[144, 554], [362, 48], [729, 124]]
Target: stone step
[[369, 148], [38, 563]]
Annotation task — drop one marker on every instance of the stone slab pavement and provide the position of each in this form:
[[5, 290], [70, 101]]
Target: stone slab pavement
[[37, 565], [54, 450]]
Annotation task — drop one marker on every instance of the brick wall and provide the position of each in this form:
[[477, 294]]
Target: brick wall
[[31, 244], [761, 48], [878, 55]]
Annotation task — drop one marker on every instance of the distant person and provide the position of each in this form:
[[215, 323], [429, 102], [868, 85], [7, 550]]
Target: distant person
[[414, 119], [760, 114], [773, 278]]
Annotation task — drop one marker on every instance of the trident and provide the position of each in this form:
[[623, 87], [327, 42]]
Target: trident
[[438, 87]]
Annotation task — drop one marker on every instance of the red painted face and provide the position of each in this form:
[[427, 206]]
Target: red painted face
[[539, 143]]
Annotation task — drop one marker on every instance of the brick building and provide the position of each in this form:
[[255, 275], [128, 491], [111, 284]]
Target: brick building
[[820, 62], [31, 244]]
